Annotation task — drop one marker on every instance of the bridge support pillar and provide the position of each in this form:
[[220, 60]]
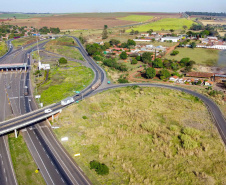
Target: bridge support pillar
[[15, 133]]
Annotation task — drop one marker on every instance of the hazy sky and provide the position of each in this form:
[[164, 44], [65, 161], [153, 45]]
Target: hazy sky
[[67, 6]]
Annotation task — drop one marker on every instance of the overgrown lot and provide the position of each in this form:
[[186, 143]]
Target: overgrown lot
[[3, 48], [145, 136], [23, 163], [23, 41], [63, 81]]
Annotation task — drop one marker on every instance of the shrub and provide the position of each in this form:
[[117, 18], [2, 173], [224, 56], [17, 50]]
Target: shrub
[[164, 73], [62, 60], [138, 58], [101, 169], [150, 72], [123, 80], [123, 55], [134, 61], [174, 53], [190, 131], [188, 142], [97, 58], [84, 117]]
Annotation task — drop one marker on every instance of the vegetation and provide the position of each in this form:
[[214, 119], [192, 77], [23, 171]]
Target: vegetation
[[146, 57], [101, 169], [105, 32], [3, 48], [136, 18], [165, 24], [123, 55], [63, 81], [206, 13], [199, 55], [175, 52], [62, 60], [45, 30], [164, 74], [145, 136], [23, 41], [112, 63], [23, 163], [150, 72]]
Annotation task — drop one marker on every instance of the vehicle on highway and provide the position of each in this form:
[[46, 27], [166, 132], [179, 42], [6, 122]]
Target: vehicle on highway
[[67, 101], [96, 85], [26, 91], [48, 110]]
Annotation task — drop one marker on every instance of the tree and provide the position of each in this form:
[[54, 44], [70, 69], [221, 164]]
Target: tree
[[123, 55], [185, 27], [157, 63], [138, 58], [101, 169], [134, 61], [150, 31], [62, 60], [164, 73], [171, 30], [107, 45], [174, 53], [131, 42], [146, 57], [132, 32], [193, 45], [104, 34], [114, 42], [150, 72], [105, 27]]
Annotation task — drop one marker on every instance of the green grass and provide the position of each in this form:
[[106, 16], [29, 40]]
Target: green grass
[[23, 163], [145, 136], [164, 24], [136, 18], [23, 41], [63, 81], [3, 48], [199, 55], [23, 16]]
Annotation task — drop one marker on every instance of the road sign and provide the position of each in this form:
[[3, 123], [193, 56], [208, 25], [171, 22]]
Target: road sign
[[41, 105], [38, 96]]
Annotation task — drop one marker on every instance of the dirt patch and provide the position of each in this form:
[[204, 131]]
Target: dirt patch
[[71, 22]]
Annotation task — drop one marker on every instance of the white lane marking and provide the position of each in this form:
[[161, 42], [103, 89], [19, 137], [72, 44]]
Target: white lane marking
[[40, 158]]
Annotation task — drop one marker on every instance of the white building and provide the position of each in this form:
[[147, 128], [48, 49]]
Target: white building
[[43, 66], [173, 39]]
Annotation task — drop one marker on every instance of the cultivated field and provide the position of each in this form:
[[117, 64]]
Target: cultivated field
[[137, 18], [145, 136], [199, 55], [23, 162], [205, 22], [3, 48], [23, 16], [165, 24]]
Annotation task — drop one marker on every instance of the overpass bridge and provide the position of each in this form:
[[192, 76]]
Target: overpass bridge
[[14, 66]]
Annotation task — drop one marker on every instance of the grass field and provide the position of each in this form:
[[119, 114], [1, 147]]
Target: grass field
[[63, 81], [165, 24], [23, 41], [199, 55], [23, 163], [136, 18], [3, 48], [145, 136]]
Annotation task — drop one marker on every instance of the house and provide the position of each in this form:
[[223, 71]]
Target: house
[[173, 39], [174, 78], [208, 83], [144, 34]]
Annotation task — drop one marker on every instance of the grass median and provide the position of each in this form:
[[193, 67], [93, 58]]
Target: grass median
[[23, 162], [145, 136], [3, 48]]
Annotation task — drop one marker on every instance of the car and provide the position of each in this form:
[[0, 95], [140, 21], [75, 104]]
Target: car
[[48, 110]]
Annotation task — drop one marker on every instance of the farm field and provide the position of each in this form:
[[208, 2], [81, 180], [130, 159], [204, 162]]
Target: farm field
[[23, 16], [137, 18], [23, 162], [144, 136], [3, 48], [63, 81], [201, 56], [165, 24]]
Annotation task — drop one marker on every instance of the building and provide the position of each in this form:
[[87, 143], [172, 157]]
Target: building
[[43, 66], [200, 75], [173, 39]]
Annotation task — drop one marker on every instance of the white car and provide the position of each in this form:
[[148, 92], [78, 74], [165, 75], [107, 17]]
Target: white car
[[48, 110]]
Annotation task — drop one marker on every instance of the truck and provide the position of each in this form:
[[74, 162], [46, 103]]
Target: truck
[[67, 101], [26, 91], [96, 85]]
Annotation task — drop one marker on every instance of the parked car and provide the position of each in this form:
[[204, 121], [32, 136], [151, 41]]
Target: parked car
[[48, 110]]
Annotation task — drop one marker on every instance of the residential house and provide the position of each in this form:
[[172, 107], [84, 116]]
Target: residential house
[[174, 78], [144, 34], [208, 83], [173, 39]]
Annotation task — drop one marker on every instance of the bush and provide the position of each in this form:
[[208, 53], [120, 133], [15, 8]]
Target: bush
[[123, 80], [164, 73], [84, 117], [138, 58], [188, 142], [123, 55], [191, 131], [150, 72], [174, 53], [134, 61], [97, 57], [62, 60], [101, 169]]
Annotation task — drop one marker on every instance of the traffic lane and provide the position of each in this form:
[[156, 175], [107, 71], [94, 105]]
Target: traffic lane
[[69, 165], [46, 167], [7, 175]]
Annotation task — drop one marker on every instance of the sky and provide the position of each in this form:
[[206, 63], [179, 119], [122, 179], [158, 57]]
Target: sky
[[74, 6]]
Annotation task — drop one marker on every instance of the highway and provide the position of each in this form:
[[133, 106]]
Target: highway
[[46, 148]]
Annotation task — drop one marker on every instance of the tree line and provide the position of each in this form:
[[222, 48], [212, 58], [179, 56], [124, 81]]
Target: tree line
[[206, 13]]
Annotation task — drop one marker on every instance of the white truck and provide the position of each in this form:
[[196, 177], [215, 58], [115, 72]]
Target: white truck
[[67, 101]]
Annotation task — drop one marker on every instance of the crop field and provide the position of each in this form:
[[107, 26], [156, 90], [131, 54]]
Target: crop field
[[22, 16], [23, 41], [3, 48], [23, 162], [201, 56], [145, 136], [165, 24], [63, 81], [136, 18]]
